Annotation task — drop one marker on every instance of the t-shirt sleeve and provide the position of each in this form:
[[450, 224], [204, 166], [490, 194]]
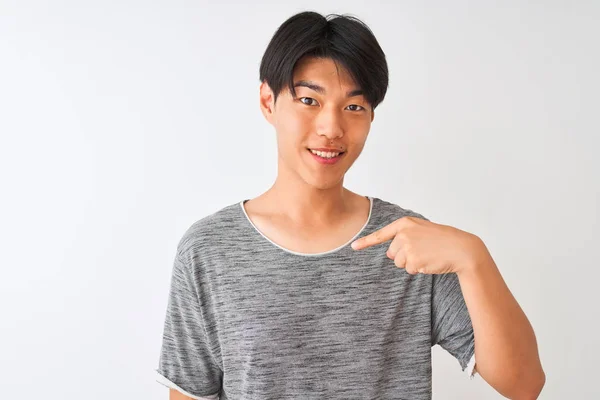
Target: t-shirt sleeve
[[451, 326], [187, 361]]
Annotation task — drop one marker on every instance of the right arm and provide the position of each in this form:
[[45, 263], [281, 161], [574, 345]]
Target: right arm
[[175, 395]]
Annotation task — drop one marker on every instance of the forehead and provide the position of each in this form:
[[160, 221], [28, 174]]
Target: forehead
[[323, 70]]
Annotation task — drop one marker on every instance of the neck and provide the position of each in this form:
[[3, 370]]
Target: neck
[[306, 204]]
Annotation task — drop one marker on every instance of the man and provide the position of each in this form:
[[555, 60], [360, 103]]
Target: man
[[311, 291]]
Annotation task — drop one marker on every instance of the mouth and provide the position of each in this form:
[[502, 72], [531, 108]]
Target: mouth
[[326, 157]]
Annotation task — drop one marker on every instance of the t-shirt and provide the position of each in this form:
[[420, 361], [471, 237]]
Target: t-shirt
[[248, 319]]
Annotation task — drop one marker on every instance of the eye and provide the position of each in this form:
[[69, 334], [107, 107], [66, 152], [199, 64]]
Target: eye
[[308, 103], [359, 108]]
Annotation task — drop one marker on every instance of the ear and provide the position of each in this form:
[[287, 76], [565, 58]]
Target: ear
[[267, 104], [372, 115]]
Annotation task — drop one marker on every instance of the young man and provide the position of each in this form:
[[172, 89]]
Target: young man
[[311, 291]]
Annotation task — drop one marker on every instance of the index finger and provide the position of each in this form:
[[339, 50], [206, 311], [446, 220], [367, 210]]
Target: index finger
[[384, 234]]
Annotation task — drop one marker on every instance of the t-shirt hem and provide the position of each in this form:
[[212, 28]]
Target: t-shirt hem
[[163, 380], [471, 371]]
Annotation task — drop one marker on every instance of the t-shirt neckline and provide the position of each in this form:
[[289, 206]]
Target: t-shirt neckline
[[324, 253]]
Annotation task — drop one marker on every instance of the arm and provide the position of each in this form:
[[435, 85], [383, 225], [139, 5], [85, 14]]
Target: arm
[[505, 344], [175, 395], [189, 360]]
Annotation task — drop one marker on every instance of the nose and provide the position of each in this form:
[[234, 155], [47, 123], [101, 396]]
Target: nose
[[329, 124]]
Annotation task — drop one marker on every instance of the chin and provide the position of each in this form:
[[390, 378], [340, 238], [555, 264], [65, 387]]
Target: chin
[[323, 184]]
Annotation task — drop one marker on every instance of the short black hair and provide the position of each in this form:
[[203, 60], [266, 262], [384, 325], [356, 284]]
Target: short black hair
[[343, 38]]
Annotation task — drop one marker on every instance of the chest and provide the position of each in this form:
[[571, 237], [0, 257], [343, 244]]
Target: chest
[[290, 307]]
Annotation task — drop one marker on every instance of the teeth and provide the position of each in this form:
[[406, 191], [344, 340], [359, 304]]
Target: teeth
[[325, 154]]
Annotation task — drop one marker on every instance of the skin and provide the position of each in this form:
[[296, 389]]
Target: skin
[[308, 210], [505, 345]]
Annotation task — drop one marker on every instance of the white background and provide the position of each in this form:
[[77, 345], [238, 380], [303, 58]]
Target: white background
[[124, 122]]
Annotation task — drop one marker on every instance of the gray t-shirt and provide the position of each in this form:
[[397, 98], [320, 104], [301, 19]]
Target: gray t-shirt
[[248, 319]]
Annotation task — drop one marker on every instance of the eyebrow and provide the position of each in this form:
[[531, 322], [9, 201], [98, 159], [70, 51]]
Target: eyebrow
[[321, 90]]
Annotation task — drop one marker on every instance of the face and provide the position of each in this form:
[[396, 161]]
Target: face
[[329, 112]]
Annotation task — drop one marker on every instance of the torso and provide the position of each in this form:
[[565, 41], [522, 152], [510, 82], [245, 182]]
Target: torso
[[275, 323]]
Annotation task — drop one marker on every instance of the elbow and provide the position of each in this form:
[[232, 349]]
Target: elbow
[[518, 385], [533, 389]]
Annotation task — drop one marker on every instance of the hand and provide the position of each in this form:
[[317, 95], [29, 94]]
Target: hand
[[422, 246]]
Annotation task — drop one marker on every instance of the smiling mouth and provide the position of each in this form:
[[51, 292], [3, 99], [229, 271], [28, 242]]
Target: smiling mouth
[[326, 158], [327, 155]]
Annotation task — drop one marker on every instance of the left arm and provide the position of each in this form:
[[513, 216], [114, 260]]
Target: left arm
[[506, 350]]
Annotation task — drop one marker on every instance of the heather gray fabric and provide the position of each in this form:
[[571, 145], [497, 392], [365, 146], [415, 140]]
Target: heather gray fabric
[[250, 320]]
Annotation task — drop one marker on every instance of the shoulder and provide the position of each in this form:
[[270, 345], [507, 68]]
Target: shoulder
[[209, 230], [387, 211]]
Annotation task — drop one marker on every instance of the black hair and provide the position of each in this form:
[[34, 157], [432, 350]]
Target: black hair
[[343, 38]]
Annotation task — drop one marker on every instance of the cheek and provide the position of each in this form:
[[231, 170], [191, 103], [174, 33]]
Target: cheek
[[289, 136], [358, 139], [297, 122], [293, 127]]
